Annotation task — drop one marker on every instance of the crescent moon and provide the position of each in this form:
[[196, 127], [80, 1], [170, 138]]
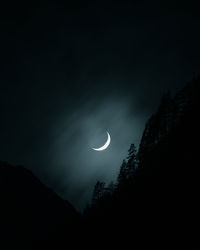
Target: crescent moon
[[105, 145]]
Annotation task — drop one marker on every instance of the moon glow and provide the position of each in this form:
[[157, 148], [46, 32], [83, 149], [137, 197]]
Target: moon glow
[[105, 145]]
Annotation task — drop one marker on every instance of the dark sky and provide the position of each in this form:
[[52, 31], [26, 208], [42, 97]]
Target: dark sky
[[69, 73]]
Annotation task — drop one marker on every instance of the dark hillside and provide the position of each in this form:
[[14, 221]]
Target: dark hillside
[[29, 210], [160, 202]]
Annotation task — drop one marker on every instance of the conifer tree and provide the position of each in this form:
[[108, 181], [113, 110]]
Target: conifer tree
[[98, 192], [123, 172], [132, 160]]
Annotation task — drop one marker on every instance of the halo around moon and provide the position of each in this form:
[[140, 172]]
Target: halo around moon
[[105, 145]]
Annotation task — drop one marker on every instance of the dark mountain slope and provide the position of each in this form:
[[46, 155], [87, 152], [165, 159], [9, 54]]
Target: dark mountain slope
[[29, 211], [159, 205]]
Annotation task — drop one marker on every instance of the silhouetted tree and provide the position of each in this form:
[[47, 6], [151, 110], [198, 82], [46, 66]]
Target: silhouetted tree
[[110, 188], [132, 161], [99, 190], [122, 173], [128, 167], [131, 152]]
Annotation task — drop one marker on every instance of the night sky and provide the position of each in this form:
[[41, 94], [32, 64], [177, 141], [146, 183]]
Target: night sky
[[71, 72]]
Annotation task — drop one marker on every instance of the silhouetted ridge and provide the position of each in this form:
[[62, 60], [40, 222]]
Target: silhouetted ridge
[[159, 200], [169, 114], [29, 210]]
